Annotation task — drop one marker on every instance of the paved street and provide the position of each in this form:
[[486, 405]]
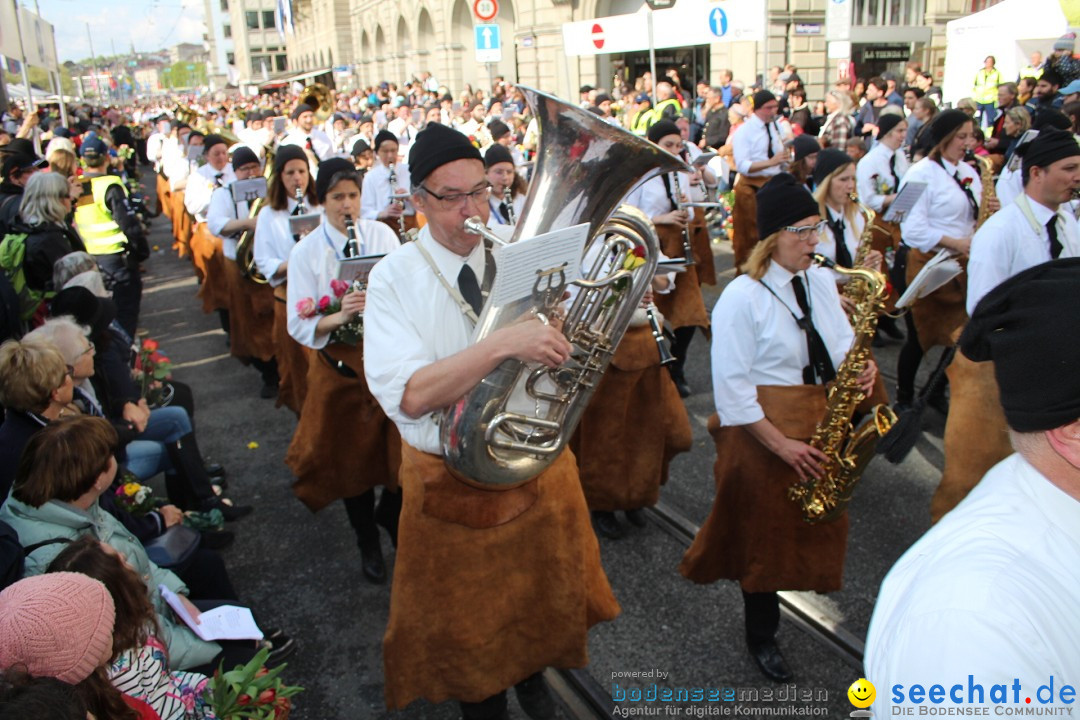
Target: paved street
[[301, 571]]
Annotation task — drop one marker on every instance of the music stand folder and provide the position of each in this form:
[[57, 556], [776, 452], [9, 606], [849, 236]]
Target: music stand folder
[[941, 268]]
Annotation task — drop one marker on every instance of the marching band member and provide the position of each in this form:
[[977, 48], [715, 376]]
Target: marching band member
[[377, 202], [759, 153], [256, 134], [683, 307], [331, 463], [768, 365], [178, 166], [1032, 230], [251, 305], [206, 248], [502, 177], [942, 218], [362, 157], [834, 180], [274, 242], [304, 134], [465, 621]]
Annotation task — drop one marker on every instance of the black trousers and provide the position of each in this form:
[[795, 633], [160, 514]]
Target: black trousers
[[126, 287], [762, 616], [907, 365]]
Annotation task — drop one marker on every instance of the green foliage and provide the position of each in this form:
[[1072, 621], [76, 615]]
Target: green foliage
[[177, 75]]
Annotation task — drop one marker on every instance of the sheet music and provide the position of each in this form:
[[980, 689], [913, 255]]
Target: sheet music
[[357, 269], [248, 190], [303, 224], [519, 263], [940, 269], [226, 622], [903, 202]]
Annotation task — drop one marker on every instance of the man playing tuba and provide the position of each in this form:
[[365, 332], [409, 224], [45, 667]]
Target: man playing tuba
[[490, 587]]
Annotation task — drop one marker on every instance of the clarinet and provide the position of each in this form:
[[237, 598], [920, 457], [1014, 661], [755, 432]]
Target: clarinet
[[393, 189], [352, 245], [688, 250], [508, 199], [301, 208], [666, 358]]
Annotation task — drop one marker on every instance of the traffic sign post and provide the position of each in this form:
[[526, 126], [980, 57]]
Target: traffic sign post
[[485, 10], [488, 43]]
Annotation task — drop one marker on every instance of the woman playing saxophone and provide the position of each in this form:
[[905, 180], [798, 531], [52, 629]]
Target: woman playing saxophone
[[779, 334]]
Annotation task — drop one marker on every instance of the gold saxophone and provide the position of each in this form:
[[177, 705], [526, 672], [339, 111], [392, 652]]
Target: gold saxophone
[[853, 289], [986, 174], [848, 449]]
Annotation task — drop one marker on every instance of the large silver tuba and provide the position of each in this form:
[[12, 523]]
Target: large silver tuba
[[516, 421]]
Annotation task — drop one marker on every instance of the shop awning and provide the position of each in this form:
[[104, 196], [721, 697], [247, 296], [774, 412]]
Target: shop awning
[[289, 78]]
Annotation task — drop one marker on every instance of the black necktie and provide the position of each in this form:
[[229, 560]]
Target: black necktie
[[967, 191], [504, 211], [843, 255], [892, 171], [768, 135], [314, 155], [470, 288], [1055, 244], [217, 180], [820, 367]]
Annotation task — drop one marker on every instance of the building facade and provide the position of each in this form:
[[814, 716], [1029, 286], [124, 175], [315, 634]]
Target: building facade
[[218, 41], [258, 45], [396, 41]]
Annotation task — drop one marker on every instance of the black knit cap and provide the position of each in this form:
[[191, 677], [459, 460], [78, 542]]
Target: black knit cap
[[384, 136], [498, 129], [804, 145], [435, 146], [887, 122], [300, 110], [285, 153], [781, 202], [945, 122], [328, 170], [829, 161], [242, 156], [211, 140], [661, 129], [1049, 146], [1028, 326], [360, 147], [761, 97], [497, 154]]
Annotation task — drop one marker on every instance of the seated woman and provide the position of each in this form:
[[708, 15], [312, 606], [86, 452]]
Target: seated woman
[[138, 662], [163, 439], [61, 626], [63, 471]]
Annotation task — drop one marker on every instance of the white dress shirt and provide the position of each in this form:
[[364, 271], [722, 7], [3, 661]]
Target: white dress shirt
[[757, 342], [320, 142], [257, 140], [651, 196], [375, 193], [876, 163], [1009, 185], [853, 227], [410, 322], [751, 143], [1007, 244], [943, 209], [176, 165], [223, 210], [201, 185], [314, 262], [990, 591], [496, 218], [155, 144], [273, 240]]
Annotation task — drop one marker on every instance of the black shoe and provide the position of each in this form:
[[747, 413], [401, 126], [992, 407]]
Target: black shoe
[[535, 698], [372, 564], [683, 387], [228, 510], [636, 517], [268, 392], [217, 539], [275, 634], [770, 661], [607, 524], [217, 473], [281, 648]]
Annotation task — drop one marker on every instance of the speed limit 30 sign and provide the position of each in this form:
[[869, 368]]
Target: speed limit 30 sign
[[485, 10]]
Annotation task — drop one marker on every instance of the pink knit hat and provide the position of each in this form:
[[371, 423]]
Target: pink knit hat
[[58, 625]]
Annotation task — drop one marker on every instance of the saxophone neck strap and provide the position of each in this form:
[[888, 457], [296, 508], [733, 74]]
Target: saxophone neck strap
[[455, 294]]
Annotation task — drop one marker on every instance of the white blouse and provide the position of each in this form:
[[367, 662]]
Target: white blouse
[[314, 262], [756, 341], [873, 178], [375, 193], [201, 185], [943, 209], [273, 241], [853, 228], [221, 211]]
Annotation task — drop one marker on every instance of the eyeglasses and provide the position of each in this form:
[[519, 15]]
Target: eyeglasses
[[805, 231], [458, 199], [89, 348], [69, 371]]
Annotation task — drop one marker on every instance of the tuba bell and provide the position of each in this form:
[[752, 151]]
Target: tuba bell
[[321, 100], [517, 420]]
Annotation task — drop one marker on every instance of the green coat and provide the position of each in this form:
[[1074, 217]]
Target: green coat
[[57, 519]]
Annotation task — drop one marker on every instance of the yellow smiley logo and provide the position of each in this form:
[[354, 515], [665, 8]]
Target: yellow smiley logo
[[861, 693]]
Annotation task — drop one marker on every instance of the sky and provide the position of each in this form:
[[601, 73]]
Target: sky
[[151, 25]]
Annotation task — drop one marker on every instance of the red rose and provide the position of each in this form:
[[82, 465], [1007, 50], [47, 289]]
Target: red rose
[[339, 287], [150, 345], [324, 303], [639, 251], [244, 699]]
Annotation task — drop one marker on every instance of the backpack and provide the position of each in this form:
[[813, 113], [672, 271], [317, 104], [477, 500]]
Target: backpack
[[12, 253]]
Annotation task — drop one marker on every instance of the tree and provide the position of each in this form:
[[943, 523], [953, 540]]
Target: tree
[[39, 77], [184, 75]]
